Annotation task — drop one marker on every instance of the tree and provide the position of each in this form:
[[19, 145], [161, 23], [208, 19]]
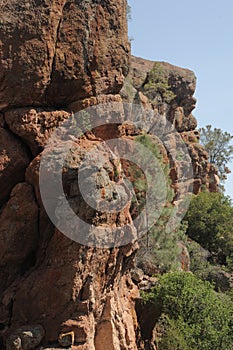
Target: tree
[[218, 144], [210, 223], [159, 246]]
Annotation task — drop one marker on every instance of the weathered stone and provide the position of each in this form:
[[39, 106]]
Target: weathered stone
[[183, 258], [73, 55], [34, 126], [67, 261], [14, 159], [222, 280], [18, 233], [25, 338], [57, 53], [181, 83]]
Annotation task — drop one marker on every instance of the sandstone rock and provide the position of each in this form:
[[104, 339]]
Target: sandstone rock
[[25, 338], [137, 275], [18, 233], [64, 261], [57, 53], [148, 314], [34, 126], [73, 55], [14, 159], [66, 339], [75, 331], [61, 301], [181, 122], [181, 81]]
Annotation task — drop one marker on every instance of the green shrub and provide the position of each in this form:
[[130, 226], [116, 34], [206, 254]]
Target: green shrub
[[210, 223], [170, 335], [197, 317], [198, 258], [158, 84]]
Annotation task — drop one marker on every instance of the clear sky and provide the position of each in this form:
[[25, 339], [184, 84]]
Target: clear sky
[[197, 35]]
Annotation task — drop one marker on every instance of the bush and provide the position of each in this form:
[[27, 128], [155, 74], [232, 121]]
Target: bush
[[198, 258], [210, 223], [196, 316], [157, 84]]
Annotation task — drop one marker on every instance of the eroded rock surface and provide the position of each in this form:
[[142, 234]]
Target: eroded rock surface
[[14, 158], [34, 126], [57, 58], [169, 91], [54, 53]]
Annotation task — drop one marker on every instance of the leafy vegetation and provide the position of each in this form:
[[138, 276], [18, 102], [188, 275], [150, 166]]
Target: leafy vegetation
[[157, 86], [193, 315], [160, 246], [210, 223]]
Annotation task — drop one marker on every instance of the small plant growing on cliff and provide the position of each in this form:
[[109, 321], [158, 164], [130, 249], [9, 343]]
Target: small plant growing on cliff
[[157, 85]]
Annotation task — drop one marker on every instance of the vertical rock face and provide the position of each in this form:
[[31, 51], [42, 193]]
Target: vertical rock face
[[54, 54], [57, 57], [57, 52]]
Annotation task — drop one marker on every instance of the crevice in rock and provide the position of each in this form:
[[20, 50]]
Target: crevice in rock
[[28, 263], [55, 54], [27, 148], [85, 46], [147, 315]]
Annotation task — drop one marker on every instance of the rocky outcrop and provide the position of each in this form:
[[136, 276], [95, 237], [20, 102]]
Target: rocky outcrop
[[55, 53], [169, 90], [57, 58], [34, 126]]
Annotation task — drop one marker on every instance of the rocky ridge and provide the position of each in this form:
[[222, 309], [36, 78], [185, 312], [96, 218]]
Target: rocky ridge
[[56, 59]]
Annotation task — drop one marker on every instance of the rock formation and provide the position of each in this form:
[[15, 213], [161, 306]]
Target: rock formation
[[58, 57], [169, 91]]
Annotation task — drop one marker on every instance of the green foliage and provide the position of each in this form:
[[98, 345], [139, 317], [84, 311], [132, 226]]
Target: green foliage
[[165, 249], [158, 86], [218, 144], [198, 258], [196, 317], [160, 246], [210, 223], [171, 335]]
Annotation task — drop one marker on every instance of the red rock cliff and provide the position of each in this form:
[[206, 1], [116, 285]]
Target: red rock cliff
[[57, 57]]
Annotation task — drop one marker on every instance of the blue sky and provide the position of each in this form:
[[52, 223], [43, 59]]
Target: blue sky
[[197, 35]]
